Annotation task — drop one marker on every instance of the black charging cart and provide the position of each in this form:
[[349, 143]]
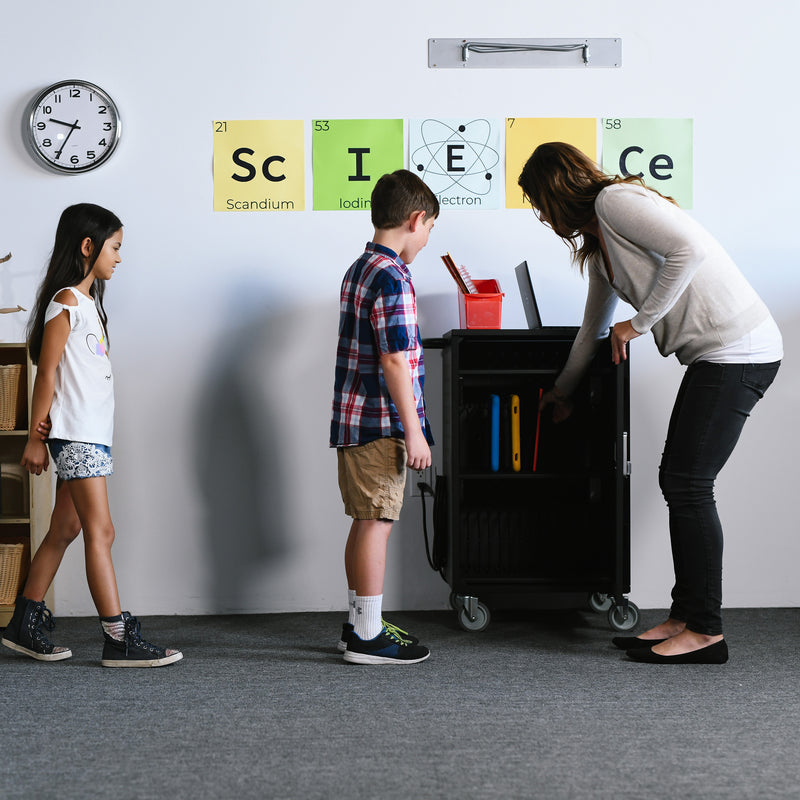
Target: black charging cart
[[529, 513]]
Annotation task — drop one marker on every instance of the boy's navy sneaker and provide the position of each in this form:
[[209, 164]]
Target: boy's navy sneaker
[[133, 651], [25, 635], [386, 648], [347, 629]]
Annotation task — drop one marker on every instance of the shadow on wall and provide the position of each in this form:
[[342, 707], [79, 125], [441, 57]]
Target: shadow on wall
[[438, 313], [240, 474]]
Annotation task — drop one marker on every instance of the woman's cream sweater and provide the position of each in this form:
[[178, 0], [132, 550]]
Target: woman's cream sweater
[[684, 286]]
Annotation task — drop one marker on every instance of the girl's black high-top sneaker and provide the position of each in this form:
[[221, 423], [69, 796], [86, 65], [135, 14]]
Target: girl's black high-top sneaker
[[25, 635], [132, 650]]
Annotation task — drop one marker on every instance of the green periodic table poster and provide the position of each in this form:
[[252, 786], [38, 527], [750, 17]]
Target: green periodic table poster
[[657, 150], [349, 155]]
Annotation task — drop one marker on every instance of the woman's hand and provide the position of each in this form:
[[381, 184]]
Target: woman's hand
[[562, 405], [621, 334]]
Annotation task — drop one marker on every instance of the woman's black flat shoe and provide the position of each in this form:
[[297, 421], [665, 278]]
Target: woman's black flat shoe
[[716, 653], [634, 642]]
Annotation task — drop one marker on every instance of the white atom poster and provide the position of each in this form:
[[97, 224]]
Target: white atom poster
[[461, 160]]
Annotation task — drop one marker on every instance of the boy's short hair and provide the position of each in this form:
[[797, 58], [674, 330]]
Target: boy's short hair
[[399, 194]]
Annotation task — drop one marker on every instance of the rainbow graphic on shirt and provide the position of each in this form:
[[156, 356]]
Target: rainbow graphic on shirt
[[96, 346]]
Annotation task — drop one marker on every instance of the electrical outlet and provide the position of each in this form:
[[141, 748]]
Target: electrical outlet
[[416, 476]]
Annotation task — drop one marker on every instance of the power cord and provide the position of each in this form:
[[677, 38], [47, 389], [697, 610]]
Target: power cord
[[436, 560]]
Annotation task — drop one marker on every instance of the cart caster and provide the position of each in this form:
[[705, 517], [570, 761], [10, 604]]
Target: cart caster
[[456, 601], [599, 602], [478, 622], [622, 619]]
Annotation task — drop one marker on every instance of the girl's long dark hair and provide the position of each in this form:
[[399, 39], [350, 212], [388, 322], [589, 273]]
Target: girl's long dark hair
[[67, 265]]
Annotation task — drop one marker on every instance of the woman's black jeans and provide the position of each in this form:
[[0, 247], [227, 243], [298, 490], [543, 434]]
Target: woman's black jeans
[[713, 402]]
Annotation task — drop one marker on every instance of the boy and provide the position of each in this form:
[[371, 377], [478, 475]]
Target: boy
[[379, 424]]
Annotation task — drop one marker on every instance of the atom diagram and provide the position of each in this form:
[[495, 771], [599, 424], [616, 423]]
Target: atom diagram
[[456, 157]]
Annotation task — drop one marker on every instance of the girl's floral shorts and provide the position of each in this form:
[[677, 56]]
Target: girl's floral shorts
[[80, 459]]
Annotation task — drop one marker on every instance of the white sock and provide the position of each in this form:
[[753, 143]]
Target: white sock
[[351, 606], [114, 627], [368, 617]]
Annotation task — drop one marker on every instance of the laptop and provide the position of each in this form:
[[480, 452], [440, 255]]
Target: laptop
[[528, 296]]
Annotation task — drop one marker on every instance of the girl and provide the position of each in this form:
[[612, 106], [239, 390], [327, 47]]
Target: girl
[[73, 401], [639, 246]]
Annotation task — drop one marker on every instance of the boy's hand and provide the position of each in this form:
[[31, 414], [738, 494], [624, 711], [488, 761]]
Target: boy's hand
[[35, 457], [398, 382], [418, 453]]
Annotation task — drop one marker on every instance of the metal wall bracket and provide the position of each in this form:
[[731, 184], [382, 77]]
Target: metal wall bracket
[[523, 53]]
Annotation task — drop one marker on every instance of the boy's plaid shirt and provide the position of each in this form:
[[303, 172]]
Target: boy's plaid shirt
[[378, 315]]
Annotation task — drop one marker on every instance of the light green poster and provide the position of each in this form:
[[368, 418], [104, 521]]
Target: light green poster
[[349, 155], [657, 150]]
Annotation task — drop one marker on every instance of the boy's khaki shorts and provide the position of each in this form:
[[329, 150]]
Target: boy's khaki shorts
[[372, 478]]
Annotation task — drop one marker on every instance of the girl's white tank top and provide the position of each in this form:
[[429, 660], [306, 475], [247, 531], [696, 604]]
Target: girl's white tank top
[[83, 401]]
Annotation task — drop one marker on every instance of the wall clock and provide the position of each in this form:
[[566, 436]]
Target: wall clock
[[72, 126]]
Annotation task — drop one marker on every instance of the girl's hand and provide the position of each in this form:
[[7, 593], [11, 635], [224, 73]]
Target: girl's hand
[[562, 405], [621, 334], [35, 458], [43, 429]]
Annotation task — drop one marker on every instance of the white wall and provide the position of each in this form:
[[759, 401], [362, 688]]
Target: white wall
[[223, 325]]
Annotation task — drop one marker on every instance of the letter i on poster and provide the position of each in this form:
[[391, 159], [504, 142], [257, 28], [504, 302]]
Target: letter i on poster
[[348, 156]]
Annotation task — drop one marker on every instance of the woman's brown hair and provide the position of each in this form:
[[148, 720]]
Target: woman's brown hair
[[562, 184]]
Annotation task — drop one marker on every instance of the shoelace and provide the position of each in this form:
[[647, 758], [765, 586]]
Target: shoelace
[[395, 632], [46, 617], [133, 635], [41, 617]]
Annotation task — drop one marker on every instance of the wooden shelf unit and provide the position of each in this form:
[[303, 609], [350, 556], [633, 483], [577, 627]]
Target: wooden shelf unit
[[27, 523]]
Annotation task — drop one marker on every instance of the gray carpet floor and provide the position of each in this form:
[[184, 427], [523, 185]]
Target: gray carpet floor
[[540, 705]]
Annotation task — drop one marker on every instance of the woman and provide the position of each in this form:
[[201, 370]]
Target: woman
[[639, 246]]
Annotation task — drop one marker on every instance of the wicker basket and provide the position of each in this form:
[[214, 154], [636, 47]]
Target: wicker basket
[[12, 401], [12, 572]]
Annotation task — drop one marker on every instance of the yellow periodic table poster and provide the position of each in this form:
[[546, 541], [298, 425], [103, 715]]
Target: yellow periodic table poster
[[259, 165], [524, 135]]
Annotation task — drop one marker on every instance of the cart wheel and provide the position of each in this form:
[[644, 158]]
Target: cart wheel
[[481, 621], [599, 602], [455, 603], [619, 621]]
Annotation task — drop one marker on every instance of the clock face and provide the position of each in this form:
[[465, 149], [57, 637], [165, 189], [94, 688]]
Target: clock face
[[72, 126]]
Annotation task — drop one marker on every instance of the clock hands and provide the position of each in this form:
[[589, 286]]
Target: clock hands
[[66, 124], [72, 127]]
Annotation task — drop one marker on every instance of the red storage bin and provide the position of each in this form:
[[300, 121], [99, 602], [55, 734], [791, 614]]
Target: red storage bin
[[481, 310]]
